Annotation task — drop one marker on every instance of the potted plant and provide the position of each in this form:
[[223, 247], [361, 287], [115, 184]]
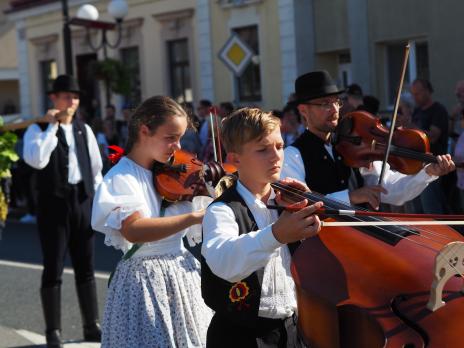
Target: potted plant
[[8, 155], [113, 73]]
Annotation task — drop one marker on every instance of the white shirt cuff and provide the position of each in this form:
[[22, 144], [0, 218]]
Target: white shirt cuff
[[423, 176], [267, 239]]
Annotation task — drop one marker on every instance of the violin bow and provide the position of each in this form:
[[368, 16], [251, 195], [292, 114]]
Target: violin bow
[[346, 212], [390, 223], [395, 111], [218, 136], [211, 120], [213, 116]]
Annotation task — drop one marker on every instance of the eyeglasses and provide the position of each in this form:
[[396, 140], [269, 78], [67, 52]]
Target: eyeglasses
[[328, 105]]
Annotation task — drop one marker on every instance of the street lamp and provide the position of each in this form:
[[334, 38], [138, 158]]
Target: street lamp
[[87, 16]]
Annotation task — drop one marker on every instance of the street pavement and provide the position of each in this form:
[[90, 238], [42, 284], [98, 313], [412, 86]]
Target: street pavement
[[21, 318]]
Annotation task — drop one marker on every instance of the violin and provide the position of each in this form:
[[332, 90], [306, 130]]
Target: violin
[[378, 286], [361, 138], [184, 176]]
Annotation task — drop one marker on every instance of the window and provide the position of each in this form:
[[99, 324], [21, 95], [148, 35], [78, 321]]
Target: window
[[419, 68], [179, 70], [130, 59], [422, 60], [344, 69], [249, 84], [48, 73]]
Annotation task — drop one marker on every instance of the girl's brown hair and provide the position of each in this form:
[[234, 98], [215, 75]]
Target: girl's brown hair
[[152, 113]]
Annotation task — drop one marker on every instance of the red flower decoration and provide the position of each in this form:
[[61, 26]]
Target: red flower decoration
[[239, 292], [116, 156]]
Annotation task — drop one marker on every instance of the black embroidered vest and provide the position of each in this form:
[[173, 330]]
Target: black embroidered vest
[[53, 179], [239, 301], [323, 174]]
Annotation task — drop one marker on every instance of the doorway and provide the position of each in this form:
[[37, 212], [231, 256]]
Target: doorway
[[90, 96]]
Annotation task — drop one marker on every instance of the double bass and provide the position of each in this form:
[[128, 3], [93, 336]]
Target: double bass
[[379, 286]]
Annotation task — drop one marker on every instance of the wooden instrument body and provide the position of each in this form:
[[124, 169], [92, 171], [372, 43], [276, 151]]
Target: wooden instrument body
[[355, 290]]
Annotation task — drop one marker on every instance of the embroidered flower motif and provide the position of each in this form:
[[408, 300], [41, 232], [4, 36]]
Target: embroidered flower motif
[[238, 292]]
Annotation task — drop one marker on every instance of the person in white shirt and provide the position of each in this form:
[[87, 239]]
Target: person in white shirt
[[154, 297], [66, 154], [313, 159], [246, 276]]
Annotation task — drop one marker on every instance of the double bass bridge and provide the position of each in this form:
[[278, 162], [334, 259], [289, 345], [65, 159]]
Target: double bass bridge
[[449, 263]]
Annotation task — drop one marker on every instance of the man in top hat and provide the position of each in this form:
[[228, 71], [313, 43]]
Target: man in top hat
[[67, 157], [313, 159]]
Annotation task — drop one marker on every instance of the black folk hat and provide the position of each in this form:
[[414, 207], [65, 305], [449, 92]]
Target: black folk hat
[[65, 83], [313, 85]]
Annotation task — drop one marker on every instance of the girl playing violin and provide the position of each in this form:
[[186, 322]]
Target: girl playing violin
[[154, 298]]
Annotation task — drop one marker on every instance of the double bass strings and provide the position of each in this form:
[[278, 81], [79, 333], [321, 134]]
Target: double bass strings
[[331, 204]]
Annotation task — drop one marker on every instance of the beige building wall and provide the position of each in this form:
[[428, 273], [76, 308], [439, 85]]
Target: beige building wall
[[265, 15], [331, 35], [9, 88], [389, 22], [148, 25]]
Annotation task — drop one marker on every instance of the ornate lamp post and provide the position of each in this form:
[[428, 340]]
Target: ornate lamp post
[[87, 16]]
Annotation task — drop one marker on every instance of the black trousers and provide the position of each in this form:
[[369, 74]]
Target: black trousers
[[269, 333], [64, 224]]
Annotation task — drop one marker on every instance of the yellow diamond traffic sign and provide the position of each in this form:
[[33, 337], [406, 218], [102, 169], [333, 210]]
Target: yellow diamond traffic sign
[[236, 55]]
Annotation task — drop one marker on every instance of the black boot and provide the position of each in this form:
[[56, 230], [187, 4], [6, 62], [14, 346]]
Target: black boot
[[87, 294], [51, 304]]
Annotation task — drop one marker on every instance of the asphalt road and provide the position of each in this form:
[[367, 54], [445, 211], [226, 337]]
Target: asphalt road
[[20, 270]]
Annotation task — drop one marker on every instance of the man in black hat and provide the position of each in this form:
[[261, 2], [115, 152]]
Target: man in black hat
[[313, 159], [66, 153]]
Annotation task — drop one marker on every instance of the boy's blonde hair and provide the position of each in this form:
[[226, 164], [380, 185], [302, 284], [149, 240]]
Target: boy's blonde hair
[[245, 125]]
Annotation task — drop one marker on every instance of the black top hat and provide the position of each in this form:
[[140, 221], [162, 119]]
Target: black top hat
[[313, 85], [65, 83]]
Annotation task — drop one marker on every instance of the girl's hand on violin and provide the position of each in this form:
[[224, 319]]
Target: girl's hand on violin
[[444, 166], [367, 194], [292, 227], [287, 199]]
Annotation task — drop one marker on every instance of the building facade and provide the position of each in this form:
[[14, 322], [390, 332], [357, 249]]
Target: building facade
[[9, 85], [171, 47]]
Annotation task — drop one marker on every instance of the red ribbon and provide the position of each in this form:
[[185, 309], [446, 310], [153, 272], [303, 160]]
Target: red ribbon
[[116, 156]]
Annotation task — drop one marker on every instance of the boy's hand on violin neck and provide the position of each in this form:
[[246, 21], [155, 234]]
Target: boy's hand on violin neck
[[289, 198], [367, 194], [292, 227], [444, 165]]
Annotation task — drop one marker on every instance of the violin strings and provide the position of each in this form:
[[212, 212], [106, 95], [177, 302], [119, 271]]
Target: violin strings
[[298, 193], [409, 153]]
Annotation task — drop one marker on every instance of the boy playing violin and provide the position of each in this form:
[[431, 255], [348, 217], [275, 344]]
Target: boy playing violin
[[246, 276]]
